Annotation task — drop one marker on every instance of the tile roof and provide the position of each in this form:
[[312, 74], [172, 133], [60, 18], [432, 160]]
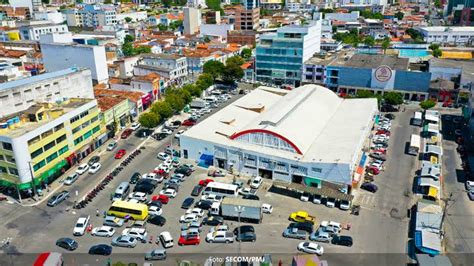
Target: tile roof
[[151, 77], [11, 53], [114, 97]]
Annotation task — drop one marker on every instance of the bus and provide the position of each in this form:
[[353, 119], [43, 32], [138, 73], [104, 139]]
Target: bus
[[417, 119], [415, 143], [221, 189], [122, 209]]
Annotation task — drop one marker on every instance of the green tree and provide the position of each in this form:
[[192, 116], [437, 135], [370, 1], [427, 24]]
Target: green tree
[[213, 68], [129, 38], [385, 44], [162, 27], [175, 101], [176, 24], [232, 72], [364, 94], [142, 50], [433, 46], [128, 19], [46, 2], [108, 2], [369, 41], [415, 35], [204, 81], [162, 108], [167, 3], [427, 104], [437, 3], [393, 98], [149, 120], [192, 89], [214, 5], [127, 49], [235, 60], [437, 53], [399, 15], [246, 53], [207, 39]]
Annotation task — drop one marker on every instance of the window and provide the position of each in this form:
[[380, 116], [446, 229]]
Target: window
[[49, 145], [38, 166], [47, 133], [95, 118], [33, 140], [51, 157], [74, 119], [36, 153], [78, 140], [7, 146], [63, 149], [3, 169], [95, 129], [75, 130], [88, 134], [13, 171], [9, 158], [61, 139], [2, 158], [85, 124], [317, 170], [83, 114], [58, 127]]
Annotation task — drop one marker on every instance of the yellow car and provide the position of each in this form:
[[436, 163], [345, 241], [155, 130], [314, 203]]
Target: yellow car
[[302, 216]]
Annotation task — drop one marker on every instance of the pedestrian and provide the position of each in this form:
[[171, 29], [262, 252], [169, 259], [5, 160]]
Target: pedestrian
[[97, 212]]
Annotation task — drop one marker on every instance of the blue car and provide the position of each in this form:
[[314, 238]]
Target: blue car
[[101, 249], [369, 187], [187, 203]]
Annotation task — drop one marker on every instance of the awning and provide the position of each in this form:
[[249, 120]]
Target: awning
[[324, 191], [429, 182]]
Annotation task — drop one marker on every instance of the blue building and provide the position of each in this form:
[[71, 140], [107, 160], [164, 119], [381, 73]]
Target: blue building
[[345, 74]]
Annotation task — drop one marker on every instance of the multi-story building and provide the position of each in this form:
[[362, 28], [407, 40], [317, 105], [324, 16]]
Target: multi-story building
[[40, 142], [192, 20], [172, 67], [55, 86], [247, 37], [455, 3], [448, 35], [271, 4], [34, 30], [247, 19], [91, 16], [60, 52], [250, 4], [135, 16], [49, 15], [280, 56]]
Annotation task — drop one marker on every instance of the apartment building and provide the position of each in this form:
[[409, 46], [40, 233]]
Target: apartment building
[[448, 35], [34, 30], [18, 95], [39, 143], [172, 67], [91, 16], [247, 19]]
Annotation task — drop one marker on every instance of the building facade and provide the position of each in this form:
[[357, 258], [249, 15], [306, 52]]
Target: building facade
[[192, 20], [248, 38], [33, 32], [280, 56], [247, 19], [91, 16], [172, 67], [448, 35]]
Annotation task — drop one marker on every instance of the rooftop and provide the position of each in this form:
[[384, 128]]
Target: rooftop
[[331, 136], [467, 66], [450, 28], [162, 56], [374, 61], [39, 78], [133, 96]]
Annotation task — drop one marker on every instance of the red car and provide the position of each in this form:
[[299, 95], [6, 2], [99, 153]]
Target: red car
[[189, 240], [162, 173], [126, 133], [382, 151], [120, 154], [204, 182], [188, 123], [381, 131], [161, 198], [373, 170]]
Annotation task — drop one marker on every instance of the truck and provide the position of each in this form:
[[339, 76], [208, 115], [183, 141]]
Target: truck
[[250, 210]]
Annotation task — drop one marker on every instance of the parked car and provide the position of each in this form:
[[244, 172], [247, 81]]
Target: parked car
[[469, 185], [311, 248], [156, 254], [294, 233], [134, 126], [171, 193], [81, 225], [245, 233], [135, 177], [161, 198], [179, 133], [58, 198], [156, 220], [470, 195], [67, 243], [112, 145], [155, 210], [139, 196], [378, 156], [93, 160], [302, 216], [204, 204], [160, 136], [220, 237], [70, 179], [204, 182], [103, 231], [101, 249], [189, 239], [163, 156], [187, 203], [331, 226], [371, 187], [256, 182], [251, 197], [137, 233], [126, 133], [95, 168], [124, 241], [198, 211], [306, 226], [184, 170], [82, 168], [342, 240], [344, 205], [267, 208], [113, 221], [213, 220], [120, 153], [321, 236], [187, 218], [189, 122]]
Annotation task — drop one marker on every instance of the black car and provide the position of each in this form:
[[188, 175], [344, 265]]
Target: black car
[[156, 203], [203, 204], [93, 160], [58, 198], [67, 243], [160, 136], [187, 203], [197, 190], [245, 233], [171, 185], [184, 170], [135, 177], [371, 187], [213, 220], [157, 220], [251, 197], [146, 181], [342, 240], [145, 188], [306, 226], [390, 116], [101, 249], [176, 123], [143, 132]]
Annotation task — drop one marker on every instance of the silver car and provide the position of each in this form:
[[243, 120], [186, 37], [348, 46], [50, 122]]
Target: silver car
[[58, 198], [321, 236], [71, 179], [156, 254], [124, 241]]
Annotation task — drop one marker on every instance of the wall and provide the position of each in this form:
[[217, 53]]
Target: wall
[[216, 29]]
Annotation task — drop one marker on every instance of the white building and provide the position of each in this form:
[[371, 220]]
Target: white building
[[363, 2], [192, 20], [307, 135], [91, 16], [448, 35], [33, 32], [347, 17], [172, 67], [216, 30], [48, 15], [20, 94], [135, 16], [60, 52]]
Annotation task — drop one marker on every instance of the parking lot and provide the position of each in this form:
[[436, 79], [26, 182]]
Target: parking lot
[[381, 228]]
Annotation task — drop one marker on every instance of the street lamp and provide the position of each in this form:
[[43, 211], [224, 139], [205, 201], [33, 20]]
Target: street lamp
[[239, 209]]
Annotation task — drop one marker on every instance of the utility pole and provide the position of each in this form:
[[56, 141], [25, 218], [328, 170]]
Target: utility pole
[[239, 209], [30, 167], [445, 208]]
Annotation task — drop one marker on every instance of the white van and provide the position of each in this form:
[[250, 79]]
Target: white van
[[256, 182], [122, 191], [210, 99], [166, 239], [215, 207]]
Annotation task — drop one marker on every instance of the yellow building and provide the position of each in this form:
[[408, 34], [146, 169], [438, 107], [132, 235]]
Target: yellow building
[[46, 139]]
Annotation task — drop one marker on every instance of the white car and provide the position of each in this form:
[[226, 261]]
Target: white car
[[220, 237], [188, 218], [344, 205], [163, 156], [311, 248], [166, 131], [70, 179], [167, 163], [219, 228], [199, 212], [246, 191], [330, 202], [331, 226], [304, 197], [153, 176], [178, 135], [154, 210], [135, 126], [139, 196], [212, 197], [103, 231], [469, 185], [206, 110], [256, 182], [81, 225], [82, 168], [137, 233], [112, 145], [267, 208], [168, 192], [94, 168]]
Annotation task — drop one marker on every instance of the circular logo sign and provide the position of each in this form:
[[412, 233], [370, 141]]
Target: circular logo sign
[[383, 73]]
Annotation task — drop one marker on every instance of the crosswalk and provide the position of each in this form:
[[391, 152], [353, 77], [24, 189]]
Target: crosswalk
[[365, 200]]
